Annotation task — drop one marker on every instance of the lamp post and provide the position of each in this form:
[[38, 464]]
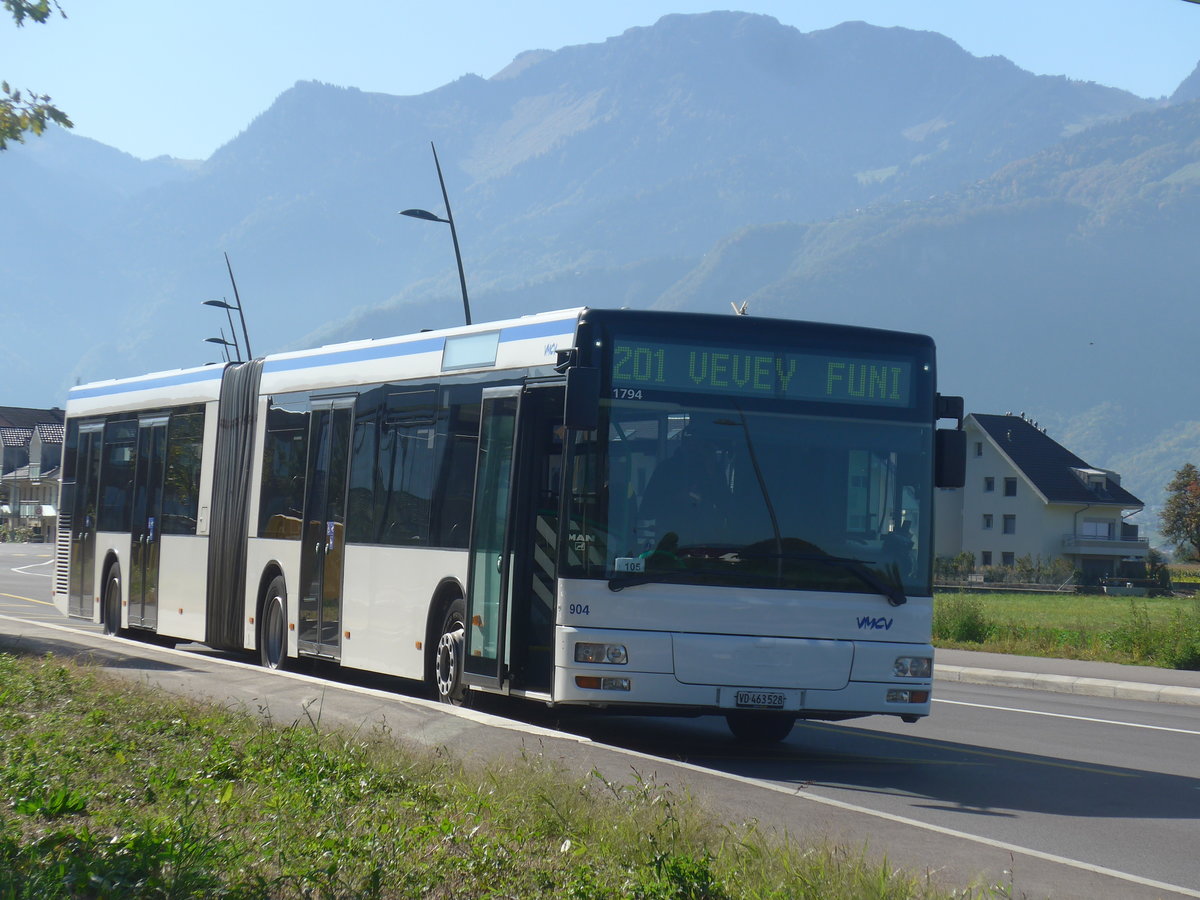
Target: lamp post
[[221, 304], [229, 307], [449, 220], [224, 343], [237, 298]]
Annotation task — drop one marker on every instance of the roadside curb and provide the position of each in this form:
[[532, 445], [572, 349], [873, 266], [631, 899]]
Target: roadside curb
[[1070, 684]]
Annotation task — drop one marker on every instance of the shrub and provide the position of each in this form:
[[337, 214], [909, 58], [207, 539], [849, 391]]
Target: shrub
[[954, 568], [1173, 645], [960, 619]]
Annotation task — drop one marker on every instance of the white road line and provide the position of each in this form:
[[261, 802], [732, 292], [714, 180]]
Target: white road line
[[800, 794], [22, 569], [1038, 712]]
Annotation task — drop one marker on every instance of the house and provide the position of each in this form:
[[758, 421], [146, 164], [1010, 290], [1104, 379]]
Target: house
[[32, 443], [1027, 495]]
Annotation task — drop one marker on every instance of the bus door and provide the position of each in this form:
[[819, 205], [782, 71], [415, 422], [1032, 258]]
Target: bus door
[[323, 541], [145, 527], [81, 593], [511, 577]]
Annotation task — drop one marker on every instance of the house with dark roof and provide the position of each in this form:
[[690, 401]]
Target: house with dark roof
[[31, 444], [1027, 495]]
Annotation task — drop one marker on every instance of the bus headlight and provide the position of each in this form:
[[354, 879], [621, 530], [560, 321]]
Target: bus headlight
[[913, 667], [605, 654]]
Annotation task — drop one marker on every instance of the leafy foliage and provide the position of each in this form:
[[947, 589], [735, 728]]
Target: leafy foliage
[[38, 12], [24, 112], [1181, 513], [960, 619]]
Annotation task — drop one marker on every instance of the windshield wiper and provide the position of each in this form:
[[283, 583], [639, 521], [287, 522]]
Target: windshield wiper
[[894, 592]]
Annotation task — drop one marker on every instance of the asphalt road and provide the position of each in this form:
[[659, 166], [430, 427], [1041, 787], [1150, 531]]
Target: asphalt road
[[1052, 794]]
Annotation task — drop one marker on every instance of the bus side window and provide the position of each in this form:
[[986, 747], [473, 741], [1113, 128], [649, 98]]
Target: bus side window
[[281, 507], [455, 480], [407, 464], [116, 475], [181, 490]]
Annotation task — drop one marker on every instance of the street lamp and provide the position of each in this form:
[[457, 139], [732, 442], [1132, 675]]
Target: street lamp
[[224, 343], [228, 307], [221, 304], [237, 298], [449, 220]]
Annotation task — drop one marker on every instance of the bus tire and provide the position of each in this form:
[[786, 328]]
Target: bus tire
[[272, 634], [111, 610], [448, 658], [760, 727]]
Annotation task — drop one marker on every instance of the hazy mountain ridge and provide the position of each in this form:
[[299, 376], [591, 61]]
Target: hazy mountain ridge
[[1070, 273], [861, 174]]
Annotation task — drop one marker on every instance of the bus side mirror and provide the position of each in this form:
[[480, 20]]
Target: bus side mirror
[[950, 458], [581, 409]]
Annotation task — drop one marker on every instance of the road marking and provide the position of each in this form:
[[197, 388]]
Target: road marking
[[28, 599], [22, 569], [1008, 757], [1038, 712], [800, 794]]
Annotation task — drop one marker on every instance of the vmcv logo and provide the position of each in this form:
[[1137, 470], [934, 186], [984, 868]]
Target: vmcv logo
[[874, 623]]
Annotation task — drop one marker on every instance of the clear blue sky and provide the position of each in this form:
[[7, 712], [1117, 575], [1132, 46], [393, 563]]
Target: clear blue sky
[[182, 77]]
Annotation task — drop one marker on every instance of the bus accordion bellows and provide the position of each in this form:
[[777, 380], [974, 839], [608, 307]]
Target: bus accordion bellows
[[636, 511]]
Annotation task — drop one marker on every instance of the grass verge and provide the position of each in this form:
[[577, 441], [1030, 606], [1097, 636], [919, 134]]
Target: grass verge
[[114, 790], [1155, 631]]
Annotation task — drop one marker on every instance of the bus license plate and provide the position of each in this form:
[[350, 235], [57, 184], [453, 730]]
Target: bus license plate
[[759, 700]]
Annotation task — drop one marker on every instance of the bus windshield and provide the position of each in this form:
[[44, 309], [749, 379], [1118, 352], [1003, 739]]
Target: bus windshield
[[719, 495]]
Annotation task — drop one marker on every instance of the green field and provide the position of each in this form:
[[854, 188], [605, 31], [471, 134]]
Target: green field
[[1158, 631], [109, 789]]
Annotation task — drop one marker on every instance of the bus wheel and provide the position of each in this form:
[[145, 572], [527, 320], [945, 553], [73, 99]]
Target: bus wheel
[[112, 603], [760, 728], [272, 638], [448, 665]]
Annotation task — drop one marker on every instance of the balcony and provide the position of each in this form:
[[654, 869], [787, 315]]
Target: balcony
[[1093, 545]]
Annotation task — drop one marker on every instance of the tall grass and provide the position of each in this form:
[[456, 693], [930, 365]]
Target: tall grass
[[1145, 632], [112, 791]]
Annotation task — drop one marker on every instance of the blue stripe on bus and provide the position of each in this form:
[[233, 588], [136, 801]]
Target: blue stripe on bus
[[537, 330], [411, 348], [357, 354], [333, 357], [211, 374]]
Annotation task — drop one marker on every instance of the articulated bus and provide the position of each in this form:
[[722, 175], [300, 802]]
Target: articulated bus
[[626, 510]]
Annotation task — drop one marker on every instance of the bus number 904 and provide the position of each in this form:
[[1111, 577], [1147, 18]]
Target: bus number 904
[[579, 609], [626, 394]]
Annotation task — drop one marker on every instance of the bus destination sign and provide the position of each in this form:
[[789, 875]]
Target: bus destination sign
[[782, 374]]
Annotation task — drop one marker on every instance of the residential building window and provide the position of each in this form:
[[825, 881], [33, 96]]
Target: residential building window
[[986, 557], [979, 448], [1010, 487], [1008, 559], [987, 521], [1096, 528], [989, 485], [1010, 524]]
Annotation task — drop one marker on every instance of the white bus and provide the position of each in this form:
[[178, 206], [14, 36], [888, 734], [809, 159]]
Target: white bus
[[635, 511]]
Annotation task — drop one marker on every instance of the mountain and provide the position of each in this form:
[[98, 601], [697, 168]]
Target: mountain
[[1036, 226], [1061, 285]]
